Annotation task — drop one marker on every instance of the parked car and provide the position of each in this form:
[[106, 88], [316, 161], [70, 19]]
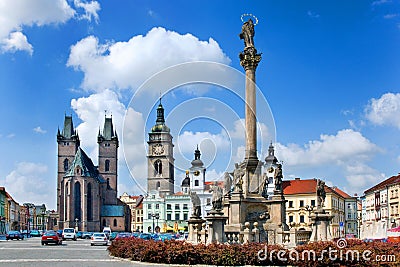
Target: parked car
[[135, 234], [35, 233], [14, 235], [112, 236], [79, 234], [87, 235], [99, 239], [69, 233], [107, 231], [145, 236], [60, 232], [167, 236], [51, 237], [25, 233], [123, 235]]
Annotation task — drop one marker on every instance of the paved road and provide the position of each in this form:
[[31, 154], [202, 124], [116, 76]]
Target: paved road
[[30, 252]]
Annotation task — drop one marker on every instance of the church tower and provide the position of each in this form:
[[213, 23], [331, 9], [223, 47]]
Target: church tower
[[160, 158], [108, 159], [198, 173], [68, 143]]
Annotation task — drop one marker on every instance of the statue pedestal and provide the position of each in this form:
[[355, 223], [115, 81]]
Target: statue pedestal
[[195, 227], [216, 222], [320, 229]]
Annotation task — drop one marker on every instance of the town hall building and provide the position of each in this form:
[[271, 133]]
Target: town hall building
[[87, 194]]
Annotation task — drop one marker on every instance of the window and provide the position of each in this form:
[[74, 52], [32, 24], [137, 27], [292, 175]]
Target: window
[[168, 216], [77, 201], [177, 206], [66, 164], [185, 206], [169, 206], [149, 206], [185, 216], [302, 218], [301, 203], [208, 201], [291, 218], [349, 225], [176, 216], [290, 204], [196, 182], [313, 202], [158, 185], [149, 216], [158, 167], [115, 223], [157, 206], [107, 165], [89, 203]]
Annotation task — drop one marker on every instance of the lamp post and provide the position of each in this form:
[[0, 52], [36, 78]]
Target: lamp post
[[153, 216], [359, 223], [157, 217], [43, 211], [76, 224], [309, 209]]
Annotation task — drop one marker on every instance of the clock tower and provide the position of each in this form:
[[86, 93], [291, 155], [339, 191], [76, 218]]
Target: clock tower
[[160, 157]]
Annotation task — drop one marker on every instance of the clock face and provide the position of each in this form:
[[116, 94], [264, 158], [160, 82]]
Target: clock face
[[197, 173], [270, 169], [158, 149]]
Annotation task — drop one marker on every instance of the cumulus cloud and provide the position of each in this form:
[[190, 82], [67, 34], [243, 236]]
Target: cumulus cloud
[[18, 14], [28, 183], [346, 144], [121, 65], [90, 9], [39, 130], [91, 111], [384, 110]]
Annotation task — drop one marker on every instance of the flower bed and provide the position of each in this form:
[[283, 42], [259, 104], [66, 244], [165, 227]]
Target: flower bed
[[313, 254]]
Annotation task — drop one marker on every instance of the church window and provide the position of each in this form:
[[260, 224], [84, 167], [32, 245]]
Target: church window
[[89, 203], [77, 201], [115, 223], [66, 164], [196, 182], [107, 165], [108, 183], [158, 167], [158, 185], [77, 171]]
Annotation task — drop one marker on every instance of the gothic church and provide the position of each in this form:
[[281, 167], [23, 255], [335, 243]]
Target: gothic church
[[87, 194]]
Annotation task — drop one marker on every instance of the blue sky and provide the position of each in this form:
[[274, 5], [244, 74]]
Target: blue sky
[[329, 73]]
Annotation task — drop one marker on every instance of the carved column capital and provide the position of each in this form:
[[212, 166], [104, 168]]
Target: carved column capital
[[249, 58]]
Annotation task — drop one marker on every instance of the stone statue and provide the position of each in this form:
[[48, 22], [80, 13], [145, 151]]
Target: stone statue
[[321, 194], [227, 184], [238, 174], [196, 204], [278, 177], [216, 197], [247, 33], [264, 192]]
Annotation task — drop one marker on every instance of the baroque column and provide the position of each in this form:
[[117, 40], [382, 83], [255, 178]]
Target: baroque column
[[249, 60]]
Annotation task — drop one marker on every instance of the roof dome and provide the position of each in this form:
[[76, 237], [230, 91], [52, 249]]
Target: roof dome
[[186, 181]]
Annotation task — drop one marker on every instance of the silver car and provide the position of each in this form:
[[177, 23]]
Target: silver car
[[99, 239]]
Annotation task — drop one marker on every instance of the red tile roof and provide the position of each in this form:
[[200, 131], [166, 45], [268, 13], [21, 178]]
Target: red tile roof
[[341, 192], [297, 186], [383, 184]]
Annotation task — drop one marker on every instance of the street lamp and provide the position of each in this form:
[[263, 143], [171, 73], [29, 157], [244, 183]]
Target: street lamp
[[359, 223], [156, 216], [43, 211], [309, 209], [76, 224]]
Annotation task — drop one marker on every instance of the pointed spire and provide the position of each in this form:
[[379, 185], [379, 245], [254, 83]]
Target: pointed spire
[[160, 114]]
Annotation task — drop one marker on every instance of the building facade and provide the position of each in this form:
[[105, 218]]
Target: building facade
[[135, 204], [87, 194]]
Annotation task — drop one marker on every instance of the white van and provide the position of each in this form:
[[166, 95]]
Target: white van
[[69, 233], [107, 231]]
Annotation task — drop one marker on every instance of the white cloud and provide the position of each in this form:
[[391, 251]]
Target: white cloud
[[91, 110], [16, 41], [15, 15], [91, 10], [122, 65], [11, 135], [380, 2], [345, 145], [28, 183], [188, 141], [359, 175], [390, 16], [385, 110], [39, 130], [312, 14]]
